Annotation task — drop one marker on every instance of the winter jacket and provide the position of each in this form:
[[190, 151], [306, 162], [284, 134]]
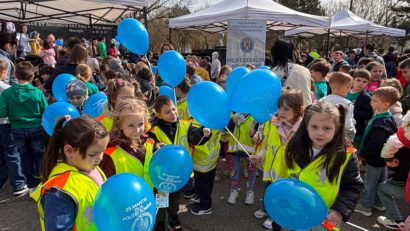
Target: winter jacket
[[362, 112], [24, 105], [400, 173], [379, 132], [10, 79], [194, 134], [350, 188], [215, 66], [405, 98]]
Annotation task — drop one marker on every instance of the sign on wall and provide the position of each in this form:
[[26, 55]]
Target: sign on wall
[[246, 42]]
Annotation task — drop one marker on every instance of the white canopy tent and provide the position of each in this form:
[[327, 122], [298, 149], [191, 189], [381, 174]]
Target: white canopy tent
[[86, 12], [215, 18], [345, 23]]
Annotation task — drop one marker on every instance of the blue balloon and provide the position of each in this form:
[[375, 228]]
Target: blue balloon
[[209, 105], [294, 204], [154, 70], [264, 67], [133, 36], [172, 68], [262, 118], [59, 86], [59, 42], [170, 168], [234, 77], [94, 105], [167, 91], [256, 93], [54, 112], [124, 202]]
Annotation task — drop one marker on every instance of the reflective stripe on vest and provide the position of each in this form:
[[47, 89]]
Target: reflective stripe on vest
[[106, 122], [205, 157], [271, 140], [313, 174], [81, 188], [127, 163], [241, 132], [181, 136]]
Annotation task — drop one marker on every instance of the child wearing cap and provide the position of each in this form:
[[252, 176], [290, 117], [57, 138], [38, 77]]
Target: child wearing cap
[[77, 93]]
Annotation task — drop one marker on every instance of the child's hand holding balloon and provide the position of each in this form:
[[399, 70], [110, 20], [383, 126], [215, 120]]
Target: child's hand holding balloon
[[207, 132]]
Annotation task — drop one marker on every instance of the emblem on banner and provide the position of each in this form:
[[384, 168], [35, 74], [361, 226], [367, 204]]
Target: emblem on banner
[[247, 45]]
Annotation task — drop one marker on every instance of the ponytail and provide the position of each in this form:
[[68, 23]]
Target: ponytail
[[53, 151]]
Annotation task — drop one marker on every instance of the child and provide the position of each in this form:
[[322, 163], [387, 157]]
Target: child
[[338, 60], [379, 128], [396, 154], [396, 109], [129, 149], [321, 151], [9, 155], [70, 175], [181, 92], [244, 127], [405, 98], [84, 73], [319, 71], [276, 133], [117, 90], [77, 93], [345, 68], [376, 72], [24, 104], [168, 129], [362, 112], [340, 83]]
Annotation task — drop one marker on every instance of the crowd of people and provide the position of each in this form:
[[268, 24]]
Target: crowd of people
[[333, 114]]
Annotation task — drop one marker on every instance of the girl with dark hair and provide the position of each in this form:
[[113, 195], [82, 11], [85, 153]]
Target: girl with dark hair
[[319, 155], [293, 76], [71, 177]]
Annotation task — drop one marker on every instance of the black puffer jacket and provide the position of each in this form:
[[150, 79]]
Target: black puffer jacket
[[195, 135], [381, 129], [362, 112]]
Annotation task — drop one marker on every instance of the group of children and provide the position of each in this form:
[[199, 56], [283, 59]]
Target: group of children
[[315, 144]]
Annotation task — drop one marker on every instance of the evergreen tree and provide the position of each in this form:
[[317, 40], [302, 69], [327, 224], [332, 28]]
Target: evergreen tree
[[305, 6]]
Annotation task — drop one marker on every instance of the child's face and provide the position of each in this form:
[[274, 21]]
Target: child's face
[[321, 129], [3, 74], [406, 73], [132, 125], [379, 105], [168, 113], [376, 73], [77, 100], [92, 158], [45, 77], [316, 75], [359, 83], [125, 93], [286, 114]]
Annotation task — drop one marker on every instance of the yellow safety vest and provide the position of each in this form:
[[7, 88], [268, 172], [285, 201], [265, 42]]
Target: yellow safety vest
[[181, 136], [183, 112], [79, 186], [106, 122], [272, 141], [205, 157], [312, 174], [241, 132], [124, 162]]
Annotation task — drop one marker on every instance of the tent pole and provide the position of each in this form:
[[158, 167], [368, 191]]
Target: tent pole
[[169, 36], [91, 34], [328, 43], [145, 10]]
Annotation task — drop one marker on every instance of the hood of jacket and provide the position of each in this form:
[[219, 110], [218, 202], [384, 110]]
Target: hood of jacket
[[215, 55], [22, 92]]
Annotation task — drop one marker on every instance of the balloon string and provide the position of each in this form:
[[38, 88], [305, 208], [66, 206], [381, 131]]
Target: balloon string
[[203, 137], [237, 141], [175, 97]]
